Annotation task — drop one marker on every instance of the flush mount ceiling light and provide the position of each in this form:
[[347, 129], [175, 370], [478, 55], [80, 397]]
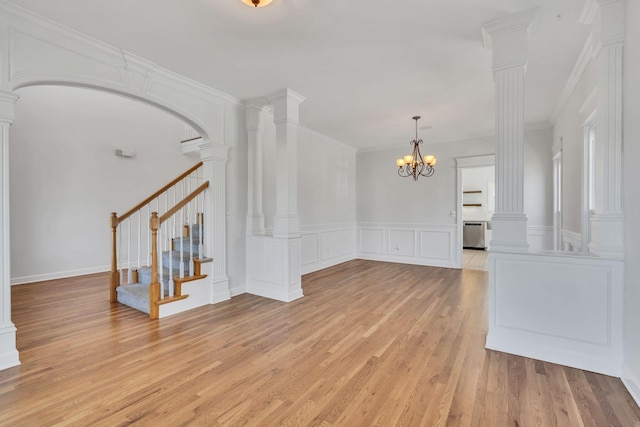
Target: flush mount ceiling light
[[256, 3], [414, 165]]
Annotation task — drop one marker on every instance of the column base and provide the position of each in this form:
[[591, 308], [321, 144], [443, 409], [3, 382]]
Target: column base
[[509, 233], [255, 224], [8, 350], [286, 226]]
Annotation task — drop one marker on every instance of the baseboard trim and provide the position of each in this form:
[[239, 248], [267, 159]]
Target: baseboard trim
[[536, 349], [238, 290], [58, 275], [427, 262], [631, 383], [275, 291], [321, 265]]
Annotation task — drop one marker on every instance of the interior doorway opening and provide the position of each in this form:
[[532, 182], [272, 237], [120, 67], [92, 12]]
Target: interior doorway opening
[[475, 208]]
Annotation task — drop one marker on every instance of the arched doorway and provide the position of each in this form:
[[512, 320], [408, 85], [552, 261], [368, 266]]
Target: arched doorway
[[37, 52]]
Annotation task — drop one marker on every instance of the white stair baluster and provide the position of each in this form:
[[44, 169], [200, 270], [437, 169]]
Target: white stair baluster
[[189, 220], [201, 225], [148, 236], [171, 283], [160, 266], [182, 240], [129, 250], [120, 255], [139, 236]]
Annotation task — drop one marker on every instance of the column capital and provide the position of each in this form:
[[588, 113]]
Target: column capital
[[607, 18], [508, 38], [254, 114], [7, 106], [213, 151], [285, 104]]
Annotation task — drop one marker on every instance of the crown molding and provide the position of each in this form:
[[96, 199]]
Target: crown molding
[[329, 139], [588, 13], [21, 19]]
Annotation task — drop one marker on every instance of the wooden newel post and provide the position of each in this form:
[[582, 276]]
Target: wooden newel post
[[154, 287], [115, 277]]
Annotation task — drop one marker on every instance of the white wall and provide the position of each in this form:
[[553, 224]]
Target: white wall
[[631, 369], [326, 180], [66, 180], [406, 221], [568, 126], [538, 178], [326, 200]]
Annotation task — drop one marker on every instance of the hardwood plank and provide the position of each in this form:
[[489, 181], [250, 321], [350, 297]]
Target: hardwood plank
[[371, 343]]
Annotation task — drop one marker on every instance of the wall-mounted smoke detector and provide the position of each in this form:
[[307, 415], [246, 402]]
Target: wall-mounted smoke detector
[[124, 152]]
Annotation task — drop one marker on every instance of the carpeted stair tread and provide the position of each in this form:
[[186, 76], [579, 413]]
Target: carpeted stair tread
[[187, 244], [135, 295]]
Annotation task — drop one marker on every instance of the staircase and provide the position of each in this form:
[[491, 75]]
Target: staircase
[[136, 294], [159, 255]]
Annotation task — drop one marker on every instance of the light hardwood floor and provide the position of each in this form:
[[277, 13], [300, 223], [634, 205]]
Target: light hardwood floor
[[371, 343]]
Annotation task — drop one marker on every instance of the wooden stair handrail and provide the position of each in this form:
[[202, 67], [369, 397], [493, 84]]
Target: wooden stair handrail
[[184, 202], [157, 193]]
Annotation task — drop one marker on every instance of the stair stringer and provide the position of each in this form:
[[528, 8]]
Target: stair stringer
[[199, 292]]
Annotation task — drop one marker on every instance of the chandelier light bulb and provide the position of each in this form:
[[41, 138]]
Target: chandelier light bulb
[[257, 3]]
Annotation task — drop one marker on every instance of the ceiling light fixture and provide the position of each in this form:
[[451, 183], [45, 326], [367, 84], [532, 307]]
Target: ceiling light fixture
[[256, 3], [415, 165]]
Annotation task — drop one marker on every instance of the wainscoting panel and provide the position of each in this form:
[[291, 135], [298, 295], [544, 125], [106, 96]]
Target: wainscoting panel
[[310, 248], [559, 308], [402, 242], [420, 244], [371, 240], [327, 245], [273, 267], [436, 244]]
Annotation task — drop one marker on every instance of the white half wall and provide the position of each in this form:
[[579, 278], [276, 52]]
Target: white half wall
[[561, 309], [274, 268]]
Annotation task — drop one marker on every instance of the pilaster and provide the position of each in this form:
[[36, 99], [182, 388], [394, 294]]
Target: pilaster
[[607, 223], [285, 116], [214, 158], [255, 110], [8, 350], [508, 39]]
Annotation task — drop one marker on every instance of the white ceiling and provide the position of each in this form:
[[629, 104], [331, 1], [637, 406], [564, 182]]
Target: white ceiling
[[366, 67]]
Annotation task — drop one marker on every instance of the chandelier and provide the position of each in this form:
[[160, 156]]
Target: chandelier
[[414, 165], [256, 3]]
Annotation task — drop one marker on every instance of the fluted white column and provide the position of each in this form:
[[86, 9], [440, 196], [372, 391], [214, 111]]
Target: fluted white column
[[508, 39], [255, 110], [8, 350], [285, 116], [607, 222], [214, 158]]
